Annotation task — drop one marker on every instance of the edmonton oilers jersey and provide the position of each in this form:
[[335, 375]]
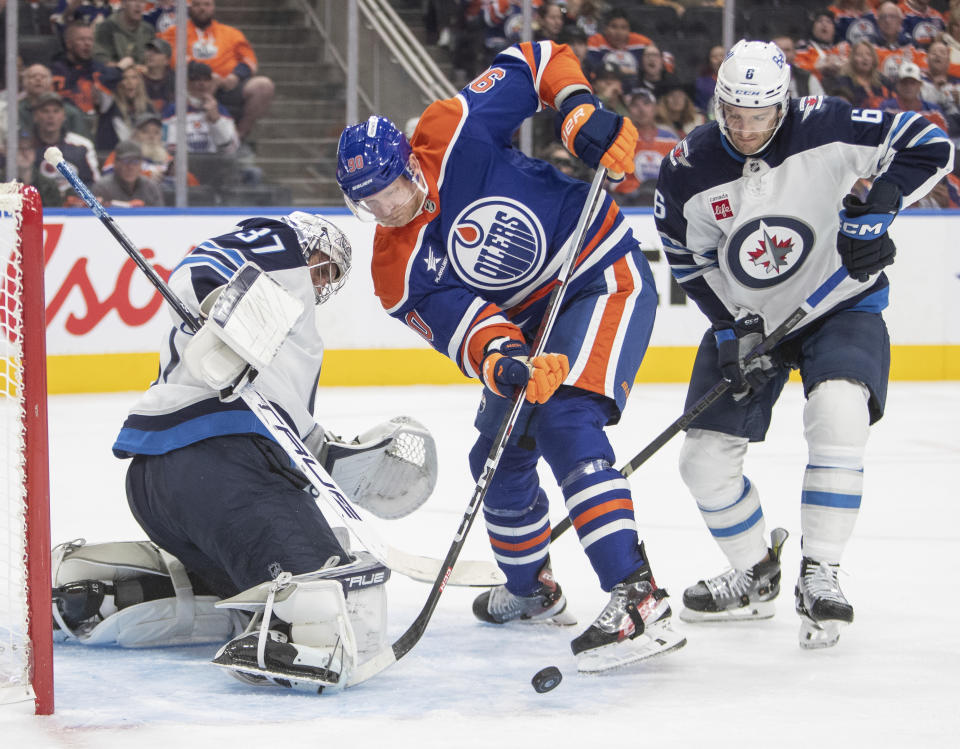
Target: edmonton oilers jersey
[[759, 234], [485, 251], [179, 409]]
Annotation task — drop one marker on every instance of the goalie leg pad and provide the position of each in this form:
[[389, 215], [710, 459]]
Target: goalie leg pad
[[134, 595], [314, 618]]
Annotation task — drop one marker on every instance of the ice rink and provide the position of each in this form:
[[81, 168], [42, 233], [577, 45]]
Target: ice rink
[[893, 680]]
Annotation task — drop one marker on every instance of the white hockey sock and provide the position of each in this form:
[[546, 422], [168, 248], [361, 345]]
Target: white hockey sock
[[836, 425], [711, 465]]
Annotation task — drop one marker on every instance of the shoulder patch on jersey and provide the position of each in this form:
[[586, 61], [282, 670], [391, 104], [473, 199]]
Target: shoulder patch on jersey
[[765, 251], [495, 243], [679, 156], [808, 105]]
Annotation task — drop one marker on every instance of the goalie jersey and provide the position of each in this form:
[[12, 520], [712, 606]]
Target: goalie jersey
[[758, 234], [482, 257], [179, 409]]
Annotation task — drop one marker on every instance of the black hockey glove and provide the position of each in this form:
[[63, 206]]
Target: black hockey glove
[[863, 242], [734, 341]]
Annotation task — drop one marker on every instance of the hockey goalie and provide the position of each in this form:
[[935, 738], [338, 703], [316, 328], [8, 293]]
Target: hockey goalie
[[238, 548]]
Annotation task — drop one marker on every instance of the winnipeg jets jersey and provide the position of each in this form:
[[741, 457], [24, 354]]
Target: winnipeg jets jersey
[[759, 234], [482, 257], [179, 409]]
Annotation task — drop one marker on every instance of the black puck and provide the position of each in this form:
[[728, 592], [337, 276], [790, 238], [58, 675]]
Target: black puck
[[546, 679]]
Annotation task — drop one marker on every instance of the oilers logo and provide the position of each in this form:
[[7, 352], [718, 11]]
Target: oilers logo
[[766, 251], [496, 243]]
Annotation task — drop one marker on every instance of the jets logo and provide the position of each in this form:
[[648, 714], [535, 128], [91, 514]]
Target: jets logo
[[496, 243], [765, 251]]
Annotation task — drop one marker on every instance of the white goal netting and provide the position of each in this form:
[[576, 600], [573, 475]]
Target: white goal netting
[[15, 651]]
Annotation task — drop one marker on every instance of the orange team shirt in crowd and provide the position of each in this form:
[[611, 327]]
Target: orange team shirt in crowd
[[647, 155], [219, 46], [597, 44], [813, 55], [892, 59]]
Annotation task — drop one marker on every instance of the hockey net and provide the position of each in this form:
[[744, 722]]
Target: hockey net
[[26, 660]]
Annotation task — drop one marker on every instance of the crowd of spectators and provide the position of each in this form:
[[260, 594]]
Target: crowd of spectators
[[105, 96], [898, 56]]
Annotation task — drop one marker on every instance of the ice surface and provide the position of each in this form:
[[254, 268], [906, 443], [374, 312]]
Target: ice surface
[[892, 680]]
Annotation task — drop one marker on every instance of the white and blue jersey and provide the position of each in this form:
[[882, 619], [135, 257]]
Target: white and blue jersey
[[758, 234], [178, 409]]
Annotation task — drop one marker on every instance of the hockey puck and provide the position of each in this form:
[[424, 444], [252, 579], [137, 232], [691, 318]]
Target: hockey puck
[[546, 679]]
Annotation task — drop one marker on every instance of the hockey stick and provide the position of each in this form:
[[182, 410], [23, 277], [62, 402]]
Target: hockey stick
[[424, 569], [713, 395], [408, 639]]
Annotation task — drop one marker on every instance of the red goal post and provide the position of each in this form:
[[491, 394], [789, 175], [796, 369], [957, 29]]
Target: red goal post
[[26, 647]]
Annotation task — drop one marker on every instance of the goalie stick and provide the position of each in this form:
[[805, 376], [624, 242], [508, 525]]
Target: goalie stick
[[388, 656], [424, 569], [713, 395]]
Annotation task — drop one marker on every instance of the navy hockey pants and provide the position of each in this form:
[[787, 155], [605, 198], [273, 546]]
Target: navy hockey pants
[[232, 509]]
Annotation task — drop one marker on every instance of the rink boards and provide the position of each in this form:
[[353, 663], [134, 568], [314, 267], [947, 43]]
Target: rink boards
[[105, 322]]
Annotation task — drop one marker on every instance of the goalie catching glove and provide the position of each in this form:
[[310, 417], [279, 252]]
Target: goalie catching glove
[[390, 469], [597, 136], [247, 322], [507, 365]]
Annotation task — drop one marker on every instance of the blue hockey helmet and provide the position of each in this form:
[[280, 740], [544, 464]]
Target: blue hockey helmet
[[371, 157]]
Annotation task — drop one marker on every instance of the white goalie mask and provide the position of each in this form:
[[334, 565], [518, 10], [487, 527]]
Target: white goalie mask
[[326, 250], [754, 75]]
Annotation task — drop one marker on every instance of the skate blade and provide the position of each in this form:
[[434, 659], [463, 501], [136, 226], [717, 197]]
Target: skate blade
[[266, 677], [758, 610], [656, 641], [817, 635]]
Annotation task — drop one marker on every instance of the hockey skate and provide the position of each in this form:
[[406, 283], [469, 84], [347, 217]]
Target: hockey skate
[[822, 607], [633, 626], [738, 595], [281, 662], [547, 605]]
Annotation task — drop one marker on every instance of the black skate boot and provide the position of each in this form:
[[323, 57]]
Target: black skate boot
[[738, 595], [822, 607], [547, 605], [633, 626]]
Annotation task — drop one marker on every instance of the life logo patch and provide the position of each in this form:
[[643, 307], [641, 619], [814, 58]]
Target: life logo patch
[[720, 205], [496, 243], [766, 251]]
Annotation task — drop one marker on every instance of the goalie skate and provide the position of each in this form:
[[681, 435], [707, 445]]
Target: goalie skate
[[284, 663], [634, 626], [822, 607], [738, 595], [547, 605]]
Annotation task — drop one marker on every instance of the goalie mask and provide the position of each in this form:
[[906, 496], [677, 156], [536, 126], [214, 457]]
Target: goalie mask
[[380, 177], [752, 95], [326, 250]]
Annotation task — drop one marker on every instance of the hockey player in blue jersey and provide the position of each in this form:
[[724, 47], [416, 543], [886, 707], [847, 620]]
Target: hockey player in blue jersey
[[470, 239], [754, 214]]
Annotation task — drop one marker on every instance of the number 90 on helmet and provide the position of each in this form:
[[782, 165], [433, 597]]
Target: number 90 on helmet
[[378, 173], [754, 75]]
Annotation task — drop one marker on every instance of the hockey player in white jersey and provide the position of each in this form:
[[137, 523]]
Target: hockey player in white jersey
[[754, 214], [219, 497]]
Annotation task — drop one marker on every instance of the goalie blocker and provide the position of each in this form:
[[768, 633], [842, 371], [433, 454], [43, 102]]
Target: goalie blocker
[[298, 631]]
